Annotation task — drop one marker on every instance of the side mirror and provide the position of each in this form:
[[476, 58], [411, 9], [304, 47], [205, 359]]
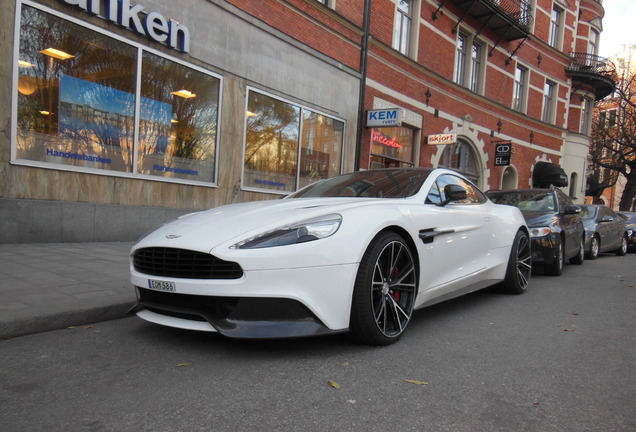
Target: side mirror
[[607, 218], [453, 192], [572, 210]]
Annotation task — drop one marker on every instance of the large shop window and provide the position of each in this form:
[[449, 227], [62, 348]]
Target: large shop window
[[391, 147], [288, 146], [82, 107]]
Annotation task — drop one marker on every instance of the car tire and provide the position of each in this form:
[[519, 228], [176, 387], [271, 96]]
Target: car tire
[[580, 256], [556, 268], [519, 267], [595, 247], [622, 250], [384, 291]]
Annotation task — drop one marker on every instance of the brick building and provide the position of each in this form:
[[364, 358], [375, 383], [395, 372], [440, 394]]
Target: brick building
[[120, 115]]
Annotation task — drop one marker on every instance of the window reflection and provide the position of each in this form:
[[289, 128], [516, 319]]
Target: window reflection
[[321, 147], [273, 141], [75, 95], [178, 120], [76, 104]]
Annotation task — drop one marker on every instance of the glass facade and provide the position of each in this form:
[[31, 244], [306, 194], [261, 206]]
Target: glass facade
[[288, 146], [88, 102]]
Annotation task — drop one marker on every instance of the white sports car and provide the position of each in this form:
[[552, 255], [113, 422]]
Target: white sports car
[[357, 252]]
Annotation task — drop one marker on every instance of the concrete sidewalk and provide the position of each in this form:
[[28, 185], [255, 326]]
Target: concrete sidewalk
[[52, 286]]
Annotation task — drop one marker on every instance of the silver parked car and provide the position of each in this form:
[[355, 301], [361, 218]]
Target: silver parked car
[[604, 231]]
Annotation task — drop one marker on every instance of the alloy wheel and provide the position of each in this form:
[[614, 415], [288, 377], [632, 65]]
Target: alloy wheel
[[393, 288]]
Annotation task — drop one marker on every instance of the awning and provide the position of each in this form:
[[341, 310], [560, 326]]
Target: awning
[[546, 174]]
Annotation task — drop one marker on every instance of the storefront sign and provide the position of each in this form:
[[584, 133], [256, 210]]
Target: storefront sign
[[378, 137], [442, 139], [134, 17], [384, 117], [503, 150]]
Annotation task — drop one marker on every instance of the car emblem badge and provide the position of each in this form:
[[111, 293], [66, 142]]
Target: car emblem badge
[[172, 236]]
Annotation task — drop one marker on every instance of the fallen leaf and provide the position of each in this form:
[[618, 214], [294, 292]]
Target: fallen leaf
[[183, 364], [416, 382], [569, 330], [334, 384]]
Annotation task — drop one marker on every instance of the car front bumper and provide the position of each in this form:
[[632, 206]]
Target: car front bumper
[[261, 304], [544, 249]]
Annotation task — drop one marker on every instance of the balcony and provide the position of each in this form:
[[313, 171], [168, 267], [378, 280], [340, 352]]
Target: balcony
[[597, 72], [509, 19]]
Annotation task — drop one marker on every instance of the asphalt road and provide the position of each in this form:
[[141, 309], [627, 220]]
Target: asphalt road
[[561, 357]]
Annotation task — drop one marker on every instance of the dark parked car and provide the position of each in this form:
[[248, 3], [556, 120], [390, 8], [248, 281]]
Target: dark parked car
[[556, 228], [604, 231], [630, 226]]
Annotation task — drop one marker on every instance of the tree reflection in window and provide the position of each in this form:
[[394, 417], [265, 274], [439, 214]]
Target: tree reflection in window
[[77, 101], [178, 120], [271, 143], [88, 120]]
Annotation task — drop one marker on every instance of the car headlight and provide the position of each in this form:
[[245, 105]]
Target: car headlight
[[539, 231], [299, 232]]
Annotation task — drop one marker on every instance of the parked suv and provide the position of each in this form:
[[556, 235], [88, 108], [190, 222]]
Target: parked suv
[[555, 224]]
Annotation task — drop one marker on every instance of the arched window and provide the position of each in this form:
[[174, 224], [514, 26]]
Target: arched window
[[461, 158]]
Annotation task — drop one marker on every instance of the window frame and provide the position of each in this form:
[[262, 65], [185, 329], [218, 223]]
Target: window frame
[[140, 49], [555, 36], [549, 101], [593, 44], [302, 110], [470, 69], [403, 38], [520, 89]]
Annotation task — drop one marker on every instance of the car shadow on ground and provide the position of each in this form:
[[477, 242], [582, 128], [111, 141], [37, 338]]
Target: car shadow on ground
[[326, 345]]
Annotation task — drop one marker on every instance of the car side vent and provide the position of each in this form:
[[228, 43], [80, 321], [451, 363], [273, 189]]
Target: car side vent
[[183, 263]]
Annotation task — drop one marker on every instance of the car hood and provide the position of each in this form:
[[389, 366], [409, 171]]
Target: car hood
[[537, 218], [207, 229]]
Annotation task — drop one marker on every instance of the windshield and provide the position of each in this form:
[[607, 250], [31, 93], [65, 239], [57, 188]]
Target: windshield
[[528, 201], [389, 183]]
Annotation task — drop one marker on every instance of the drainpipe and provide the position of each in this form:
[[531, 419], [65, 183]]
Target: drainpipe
[[364, 53]]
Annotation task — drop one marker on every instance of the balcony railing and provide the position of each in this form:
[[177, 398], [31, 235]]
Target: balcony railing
[[511, 19], [518, 10], [595, 71]]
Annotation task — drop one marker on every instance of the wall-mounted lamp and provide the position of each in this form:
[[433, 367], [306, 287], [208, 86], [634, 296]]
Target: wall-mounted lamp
[[539, 59], [531, 136], [499, 125], [428, 95]]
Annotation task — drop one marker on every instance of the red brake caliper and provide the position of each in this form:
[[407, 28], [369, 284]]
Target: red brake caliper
[[396, 294]]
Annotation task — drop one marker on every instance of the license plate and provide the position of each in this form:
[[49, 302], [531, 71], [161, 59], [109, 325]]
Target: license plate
[[161, 285]]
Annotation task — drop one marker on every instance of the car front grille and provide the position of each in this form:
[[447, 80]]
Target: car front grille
[[183, 263]]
